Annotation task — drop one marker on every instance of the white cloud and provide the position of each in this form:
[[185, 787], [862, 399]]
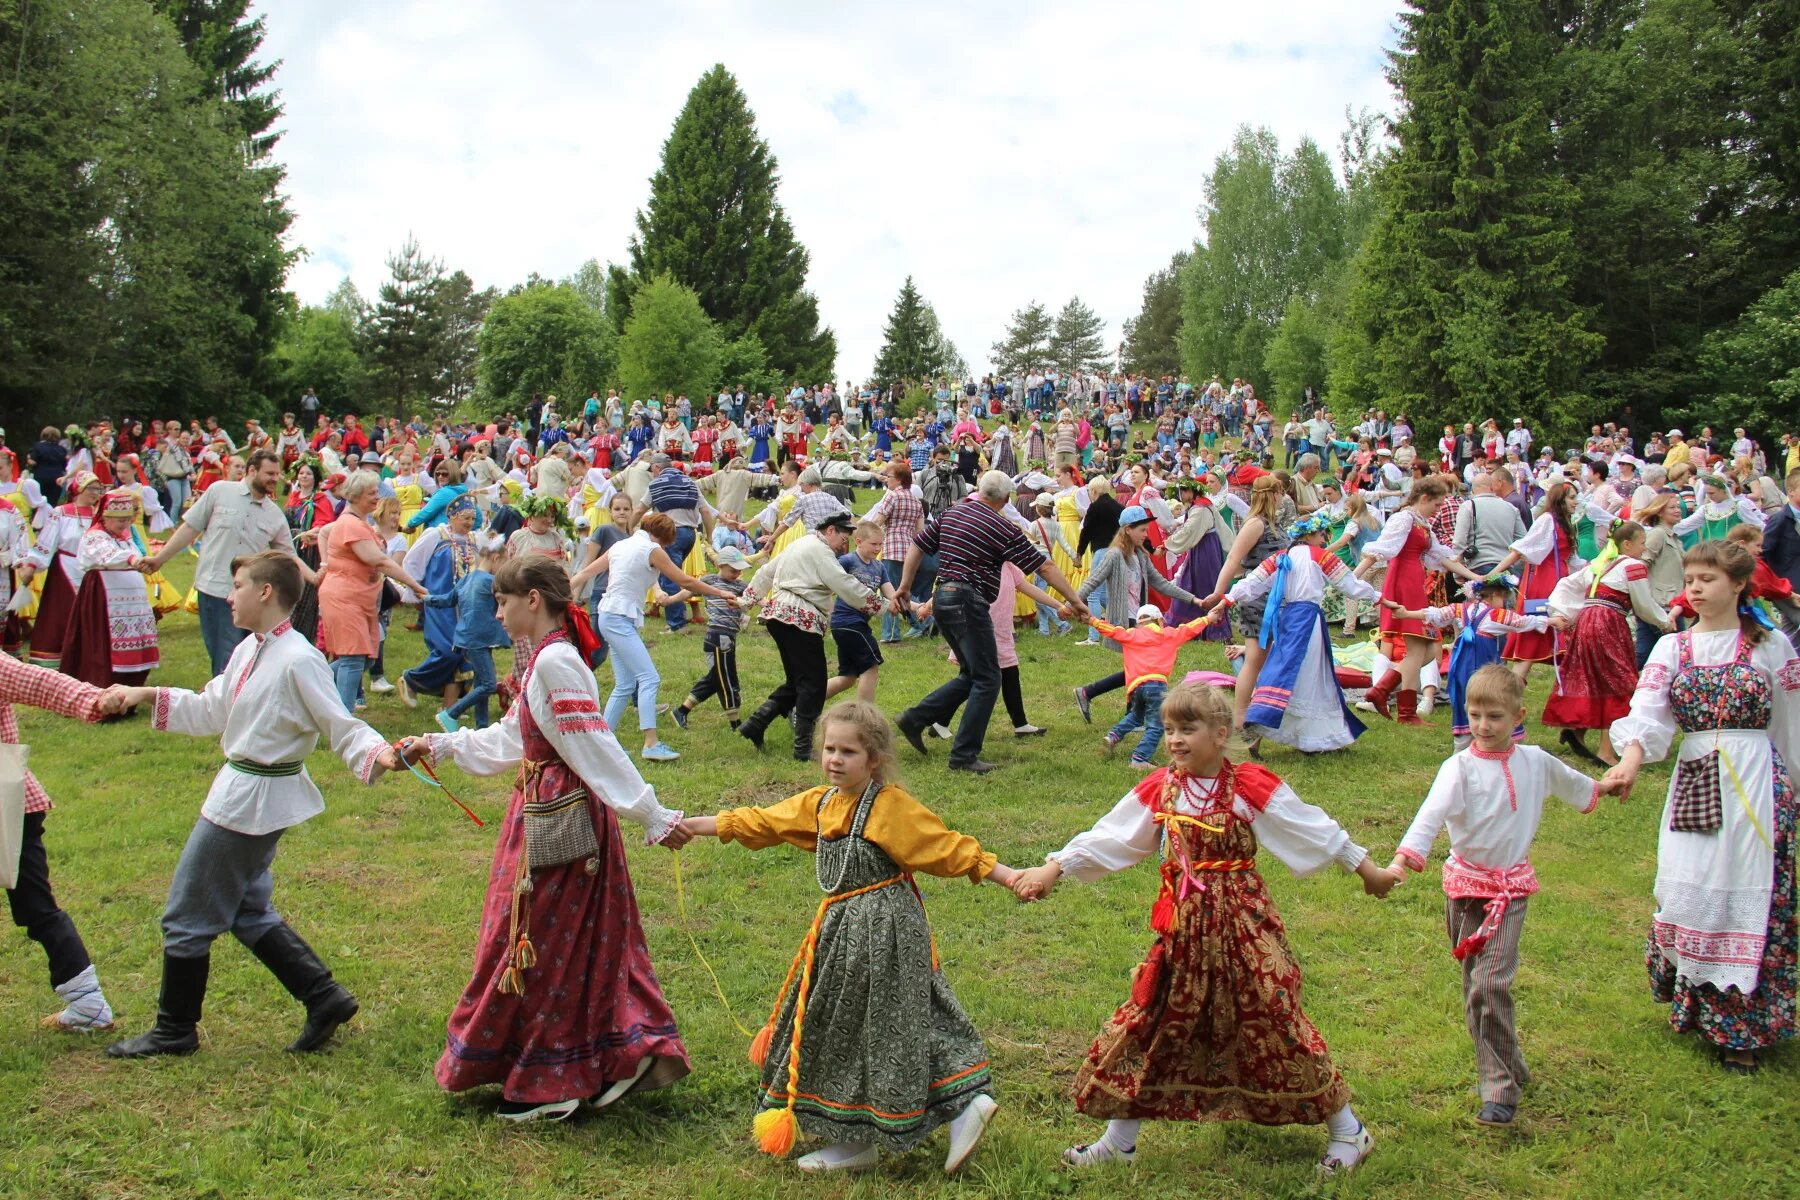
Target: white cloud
[[997, 153]]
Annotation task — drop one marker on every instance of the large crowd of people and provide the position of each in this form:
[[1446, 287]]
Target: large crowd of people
[[1654, 580]]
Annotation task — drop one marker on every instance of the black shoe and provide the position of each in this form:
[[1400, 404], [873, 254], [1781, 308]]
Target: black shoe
[[1083, 705], [1577, 747], [680, 715], [177, 1012], [1732, 1067], [803, 737], [752, 728], [1495, 1115], [915, 737], [979, 766], [293, 963]]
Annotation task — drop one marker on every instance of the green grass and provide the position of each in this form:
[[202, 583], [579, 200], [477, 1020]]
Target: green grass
[[387, 884]]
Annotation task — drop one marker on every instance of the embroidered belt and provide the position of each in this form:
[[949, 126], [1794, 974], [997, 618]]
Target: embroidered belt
[[1498, 885], [265, 770]]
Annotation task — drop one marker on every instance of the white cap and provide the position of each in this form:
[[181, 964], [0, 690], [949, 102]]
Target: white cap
[[1149, 612]]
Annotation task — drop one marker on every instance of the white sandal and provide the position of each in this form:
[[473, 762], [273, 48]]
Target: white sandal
[[1095, 1154], [1360, 1144]]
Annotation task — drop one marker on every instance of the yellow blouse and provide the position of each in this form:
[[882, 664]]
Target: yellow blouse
[[912, 835]]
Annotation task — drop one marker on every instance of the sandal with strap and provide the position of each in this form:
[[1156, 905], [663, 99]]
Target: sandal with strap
[[1336, 1162]]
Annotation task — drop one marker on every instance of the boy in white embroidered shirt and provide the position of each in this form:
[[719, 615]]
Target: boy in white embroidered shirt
[[268, 707], [1491, 795]]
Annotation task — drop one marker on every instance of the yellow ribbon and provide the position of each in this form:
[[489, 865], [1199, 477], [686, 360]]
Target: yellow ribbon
[[681, 908]]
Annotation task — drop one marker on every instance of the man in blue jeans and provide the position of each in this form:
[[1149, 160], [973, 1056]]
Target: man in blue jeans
[[971, 539]]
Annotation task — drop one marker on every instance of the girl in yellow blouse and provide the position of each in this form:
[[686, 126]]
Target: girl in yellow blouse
[[889, 1054]]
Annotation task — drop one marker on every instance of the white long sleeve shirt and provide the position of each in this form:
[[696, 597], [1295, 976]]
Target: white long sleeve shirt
[[1493, 804], [1301, 835], [565, 704], [270, 705]]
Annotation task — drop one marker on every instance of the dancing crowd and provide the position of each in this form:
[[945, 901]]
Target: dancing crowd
[[1655, 584]]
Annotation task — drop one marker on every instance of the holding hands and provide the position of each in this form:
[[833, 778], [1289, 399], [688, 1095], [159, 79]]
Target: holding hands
[[1036, 883], [1379, 881], [118, 700]]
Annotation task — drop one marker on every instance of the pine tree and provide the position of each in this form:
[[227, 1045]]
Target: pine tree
[[1078, 343], [1027, 342], [223, 44], [714, 225], [908, 345], [462, 310], [406, 330], [1153, 337], [1468, 268], [946, 359]]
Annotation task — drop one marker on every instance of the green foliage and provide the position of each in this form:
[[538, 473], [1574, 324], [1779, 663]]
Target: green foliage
[[407, 330], [714, 225], [461, 312], [669, 344], [1078, 342], [1297, 353], [140, 257], [318, 350], [913, 345], [1153, 337], [223, 44], [1027, 343], [547, 339], [744, 363], [1469, 270], [1754, 367], [1275, 226]]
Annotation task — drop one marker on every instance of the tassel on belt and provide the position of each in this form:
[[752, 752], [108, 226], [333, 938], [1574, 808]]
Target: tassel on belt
[[777, 1128], [521, 955]]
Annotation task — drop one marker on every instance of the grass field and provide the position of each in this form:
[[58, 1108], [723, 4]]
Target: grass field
[[387, 885]]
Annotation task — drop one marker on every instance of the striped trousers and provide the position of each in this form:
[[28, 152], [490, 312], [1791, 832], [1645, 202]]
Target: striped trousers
[[1487, 995]]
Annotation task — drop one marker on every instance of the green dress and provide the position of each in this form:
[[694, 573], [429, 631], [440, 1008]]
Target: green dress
[[886, 1052]]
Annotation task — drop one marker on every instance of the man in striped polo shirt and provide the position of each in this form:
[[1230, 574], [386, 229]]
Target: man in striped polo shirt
[[971, 539]]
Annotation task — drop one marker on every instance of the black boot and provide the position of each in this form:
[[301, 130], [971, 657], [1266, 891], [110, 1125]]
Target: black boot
[[803, 737], [758, 721], [177, 1012], [328, 1003]]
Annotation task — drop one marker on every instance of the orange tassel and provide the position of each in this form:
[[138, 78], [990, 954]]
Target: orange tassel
[[510, 983], [525, 955], [1149, 974], [775, 1130], [759, 1045]]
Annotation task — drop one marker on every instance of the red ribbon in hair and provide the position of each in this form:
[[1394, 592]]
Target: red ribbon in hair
[[581, 632]]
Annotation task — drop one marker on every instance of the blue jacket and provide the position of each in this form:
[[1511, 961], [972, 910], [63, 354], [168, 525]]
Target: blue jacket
[[477, 621], [1781, 544]]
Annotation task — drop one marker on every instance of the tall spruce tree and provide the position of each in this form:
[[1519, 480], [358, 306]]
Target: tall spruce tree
[[461, 309], [1152, 338], [1026, 345], [714, 225], [223, 44], [406, 330], [913, 346], [1468, 267], [1078, 342]]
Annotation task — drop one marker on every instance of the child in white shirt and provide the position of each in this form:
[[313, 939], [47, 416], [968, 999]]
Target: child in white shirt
[[1491, 796]]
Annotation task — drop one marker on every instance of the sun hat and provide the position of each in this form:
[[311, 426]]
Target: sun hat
[[1149, 612], [731, 556]]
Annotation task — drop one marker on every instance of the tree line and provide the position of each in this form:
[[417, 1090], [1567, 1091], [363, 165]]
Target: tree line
[[1578, 211]]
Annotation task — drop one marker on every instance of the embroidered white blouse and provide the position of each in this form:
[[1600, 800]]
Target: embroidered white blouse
[[1394, 533], [565, 703], [1301, 835], [1539, 544], [1493, 804], [271, 704]]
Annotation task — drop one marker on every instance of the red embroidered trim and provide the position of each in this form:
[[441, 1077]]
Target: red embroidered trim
[[1655, 677], [1413, 859], [159, 713], [1789, 675]]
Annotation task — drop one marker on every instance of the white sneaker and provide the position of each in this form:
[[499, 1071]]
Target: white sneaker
[[1029, 731], [966, 1131], [1364, 706], [942, 731], [406, 693], [380, 687], [841, 1156], [620, 1087], [519, 1112], [1426, 706], [1098, 1153], [1343, 1155]]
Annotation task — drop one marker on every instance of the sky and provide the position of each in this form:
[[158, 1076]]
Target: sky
[[999, 153]]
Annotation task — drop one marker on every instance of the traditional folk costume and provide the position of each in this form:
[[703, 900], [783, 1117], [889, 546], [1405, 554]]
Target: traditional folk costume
[[410, 491], [32, 900], [1071, 506], [1549, 555], [15, 598], [563, 1003], [1477, 645], [269, 707], [112, 631], [1493, 804], [28, 502], [56, 555], [1723, 944], [1710, 521], [1410, 550], [1151, 501], [866, 1042], [1197, 539], [437, 560], [1213, 1030], [1297, 701], [1598, 671]]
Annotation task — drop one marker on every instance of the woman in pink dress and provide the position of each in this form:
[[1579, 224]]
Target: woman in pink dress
[[353, 559], [563, 1005]]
